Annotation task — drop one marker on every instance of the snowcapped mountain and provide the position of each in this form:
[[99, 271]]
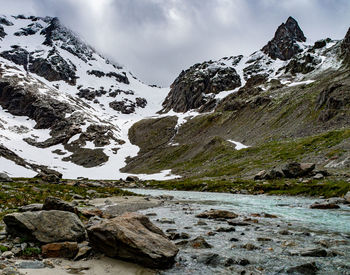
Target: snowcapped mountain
[[66, 108], [62, 104]]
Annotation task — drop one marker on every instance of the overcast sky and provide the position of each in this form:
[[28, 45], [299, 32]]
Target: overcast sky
[[156, 39]]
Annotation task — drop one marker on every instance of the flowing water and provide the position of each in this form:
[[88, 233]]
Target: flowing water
[[265, 245]]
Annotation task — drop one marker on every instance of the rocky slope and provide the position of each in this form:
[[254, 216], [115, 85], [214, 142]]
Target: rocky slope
[[288, 102], [78, 104]]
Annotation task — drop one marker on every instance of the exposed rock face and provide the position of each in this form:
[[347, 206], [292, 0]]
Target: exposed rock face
[[283, 46], [46, 226], [87, 157], [4, 178], [345, 46], [192, 88], [133, 237]]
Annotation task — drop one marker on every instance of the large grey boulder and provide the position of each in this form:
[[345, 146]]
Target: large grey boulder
[[295, 169], [46, 226], [132, 237], [347, 197]]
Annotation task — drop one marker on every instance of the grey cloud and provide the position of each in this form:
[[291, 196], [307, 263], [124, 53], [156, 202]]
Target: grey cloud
[[156, 39]]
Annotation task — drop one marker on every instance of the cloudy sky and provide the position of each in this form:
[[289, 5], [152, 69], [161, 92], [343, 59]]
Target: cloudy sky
[[156, 39]]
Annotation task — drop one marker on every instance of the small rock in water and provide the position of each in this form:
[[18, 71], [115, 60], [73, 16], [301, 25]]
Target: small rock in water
[[324, 206], [211, 259], [199, 243], [314, 252], [226, 229], [249, 246], [217, 214], [307, 269], [165, 221]]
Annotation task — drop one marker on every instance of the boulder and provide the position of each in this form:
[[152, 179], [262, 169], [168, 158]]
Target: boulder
[[5, 178], [132, 179], [53, 203], [46, 226], [314, 252], [60, 250], [295, 169], [199, 243], [217, 214], [324, 206], [132, 237], [31, 207], [347, 197], [307, 269]]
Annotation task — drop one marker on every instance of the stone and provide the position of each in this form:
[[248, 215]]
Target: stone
[[49, 177], [307, 269], [217, 214], [210, 259], [46, 226], [31, 207], [10, 271], [132, 179], [260, 175], [296, 170], [132, 237], [324, 206], [314, 252], [318, 176], [90, 212], [347, 197], [7, 254], [199, 243], [225, 229], [5, 178], [83, 253], [53, 203], [60, 250]]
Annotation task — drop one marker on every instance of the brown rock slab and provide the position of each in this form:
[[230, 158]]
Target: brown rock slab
[[217, 214], [60, 250]]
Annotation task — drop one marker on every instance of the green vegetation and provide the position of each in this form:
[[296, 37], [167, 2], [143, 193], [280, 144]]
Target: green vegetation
[[3, 248], [327, 188], [31, 251], [26, 191]]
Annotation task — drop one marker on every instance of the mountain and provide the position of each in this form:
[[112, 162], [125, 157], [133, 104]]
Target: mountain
[[289, 101], [63, 105], [65, 109]]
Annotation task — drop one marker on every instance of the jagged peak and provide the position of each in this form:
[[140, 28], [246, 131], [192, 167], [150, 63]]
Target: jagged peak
[[284, 44]]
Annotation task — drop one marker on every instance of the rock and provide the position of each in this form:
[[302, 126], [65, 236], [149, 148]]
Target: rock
[[261, 175], [270, 175], [296, 170], [133, 237], [10, 271], [217, 214], [318, 176], [5, 178], [234, 223], [49, 177], [234, 240], [31, 207], [53, 203], [46, 226], [347, 197], [132, 179], [60, 250], [284, 44], [249, 246], [91, 212], [165, 221], [210, 259], [345, 46], [193, 88], [199, 243], [83, 252], [263, 239], [314, 252], [324, 206], [307, 269], [225, 229], [7, 254]]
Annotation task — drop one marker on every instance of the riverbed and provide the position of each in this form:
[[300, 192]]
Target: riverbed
[[271, 235]]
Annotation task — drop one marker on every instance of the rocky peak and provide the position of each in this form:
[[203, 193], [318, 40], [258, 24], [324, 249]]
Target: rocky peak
[[284, 44]]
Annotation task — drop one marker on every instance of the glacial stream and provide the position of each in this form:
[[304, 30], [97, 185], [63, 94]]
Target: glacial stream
[[290, 236]]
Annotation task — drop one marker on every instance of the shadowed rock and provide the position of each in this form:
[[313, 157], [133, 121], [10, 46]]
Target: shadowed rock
[[132, 237]]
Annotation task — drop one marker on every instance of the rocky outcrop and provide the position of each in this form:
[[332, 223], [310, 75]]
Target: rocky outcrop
[[87, 157], [283, 46], [345, 47], [5, 178], [127, 106], [193, 88], [134, 238], [295, 169], [46, 226]]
